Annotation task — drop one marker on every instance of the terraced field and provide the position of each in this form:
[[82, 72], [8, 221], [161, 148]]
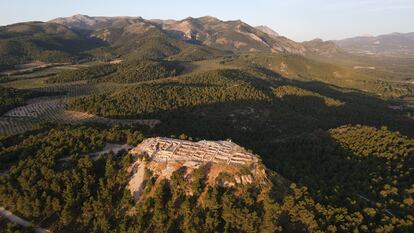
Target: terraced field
[[51, 109]]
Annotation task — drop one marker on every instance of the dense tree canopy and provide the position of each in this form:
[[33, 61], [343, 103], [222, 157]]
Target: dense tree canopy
[[127, 72], [357, 167], [87, 73], [334, 141], [89, 195], [208, 88]]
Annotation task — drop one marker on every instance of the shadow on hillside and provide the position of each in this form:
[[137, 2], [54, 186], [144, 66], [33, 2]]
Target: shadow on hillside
[[271, 78], [72, 46], [257, 120], [288, 116], [333, 174], [178, 84]]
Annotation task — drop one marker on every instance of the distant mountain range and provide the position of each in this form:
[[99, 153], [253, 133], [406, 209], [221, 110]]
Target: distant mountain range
[[394, 44], [84, 37], [208, 31]]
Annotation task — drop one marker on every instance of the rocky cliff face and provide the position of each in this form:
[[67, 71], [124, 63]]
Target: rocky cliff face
[[231, 35], [268, 31], [94, 23], [235, 36]]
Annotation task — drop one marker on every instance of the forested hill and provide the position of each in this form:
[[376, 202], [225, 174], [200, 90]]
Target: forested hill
[[48, 42], [345, 185], [80, 37], [328, 135], [223, 95]]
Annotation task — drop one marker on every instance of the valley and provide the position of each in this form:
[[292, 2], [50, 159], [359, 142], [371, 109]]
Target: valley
[[123, 124]]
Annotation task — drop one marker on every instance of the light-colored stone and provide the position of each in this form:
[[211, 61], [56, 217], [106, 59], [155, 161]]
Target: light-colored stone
[[136, 184], [168, 149], [238, 180]]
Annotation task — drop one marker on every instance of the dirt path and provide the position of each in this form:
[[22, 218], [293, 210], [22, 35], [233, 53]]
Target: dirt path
[[368, 200], [108, 148], [16, 219], [111, 147], [4, 173], [136, 184]]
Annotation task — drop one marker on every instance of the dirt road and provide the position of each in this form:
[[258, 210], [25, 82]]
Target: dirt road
[[16, 219]]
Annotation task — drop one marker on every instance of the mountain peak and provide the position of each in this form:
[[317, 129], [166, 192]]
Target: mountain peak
[[209, 18], [80, 16], [189, 18], [96, 22], [317, 40], [234, 35]]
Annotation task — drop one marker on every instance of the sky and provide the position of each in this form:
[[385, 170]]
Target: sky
[[299, 20]]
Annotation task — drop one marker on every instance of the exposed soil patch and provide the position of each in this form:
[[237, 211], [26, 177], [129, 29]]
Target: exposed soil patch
[[17, 220]]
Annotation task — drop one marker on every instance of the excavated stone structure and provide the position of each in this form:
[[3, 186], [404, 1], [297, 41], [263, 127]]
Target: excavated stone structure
[[226, 164], [168, 149]]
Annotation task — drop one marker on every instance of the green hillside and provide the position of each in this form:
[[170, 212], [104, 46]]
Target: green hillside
[[83, 194], [47, 42], [128, 72], [356, 167], [250, 109], [329, 134], [193, 90]]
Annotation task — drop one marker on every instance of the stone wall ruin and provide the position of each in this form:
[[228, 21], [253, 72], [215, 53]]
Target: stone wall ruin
[[168, 149]]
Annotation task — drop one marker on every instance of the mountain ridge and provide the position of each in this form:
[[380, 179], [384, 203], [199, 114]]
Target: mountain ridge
[[187, 39], [267, 30], [392, 44], [232, 35]]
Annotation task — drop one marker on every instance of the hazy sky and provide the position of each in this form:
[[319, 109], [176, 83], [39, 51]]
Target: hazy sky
[[296, 19]]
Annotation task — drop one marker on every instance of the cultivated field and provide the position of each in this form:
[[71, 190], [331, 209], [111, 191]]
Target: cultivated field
[[51, 109]]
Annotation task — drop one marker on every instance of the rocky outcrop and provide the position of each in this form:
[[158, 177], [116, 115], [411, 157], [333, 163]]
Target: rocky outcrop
[[224, 163], [93, 23], [268, 31], [233, 35]]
